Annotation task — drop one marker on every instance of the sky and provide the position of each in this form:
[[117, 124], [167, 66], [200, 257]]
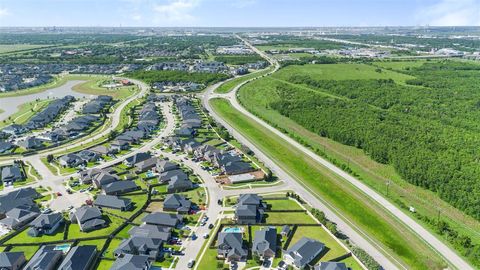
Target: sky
[[239, 13]]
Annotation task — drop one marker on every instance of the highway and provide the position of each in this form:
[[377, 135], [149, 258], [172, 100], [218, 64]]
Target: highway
[[361, 239]]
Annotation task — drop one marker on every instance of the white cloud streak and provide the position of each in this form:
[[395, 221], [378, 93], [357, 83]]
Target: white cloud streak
[[175, 11], [451, 13]]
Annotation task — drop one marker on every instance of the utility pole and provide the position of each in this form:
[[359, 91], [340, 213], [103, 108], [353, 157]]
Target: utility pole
[[387, 183]]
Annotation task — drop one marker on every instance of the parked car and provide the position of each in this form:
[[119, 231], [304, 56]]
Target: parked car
[[191, 263], [210, 226], [205, 235]]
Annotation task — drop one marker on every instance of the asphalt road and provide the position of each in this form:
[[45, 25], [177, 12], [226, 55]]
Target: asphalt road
[[361, 239]]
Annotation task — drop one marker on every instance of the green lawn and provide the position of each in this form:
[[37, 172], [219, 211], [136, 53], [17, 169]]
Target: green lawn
[[23, 237], [98, 243], [105, 265], [111, 248], [335, 250], [286, 204], [27, 250], [74, 230], [359, 209], [289, 218], [8, 48], [93, 87]]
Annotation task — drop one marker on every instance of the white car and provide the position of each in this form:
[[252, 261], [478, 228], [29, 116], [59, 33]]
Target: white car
[[191, 263], [205, 235]]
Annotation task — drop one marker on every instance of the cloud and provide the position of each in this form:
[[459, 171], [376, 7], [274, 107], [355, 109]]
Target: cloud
[[451, 13], [175, 11], [137, 17], [3, 12]]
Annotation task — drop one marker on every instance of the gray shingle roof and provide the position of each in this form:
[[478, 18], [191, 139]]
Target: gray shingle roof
[[331, 266], [110, 201], [304, 251], [131, 262], [8, 259], [265, 241], [164, 219], [79, 258]]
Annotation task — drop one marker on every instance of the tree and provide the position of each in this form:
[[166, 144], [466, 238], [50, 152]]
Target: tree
[[49, 158]]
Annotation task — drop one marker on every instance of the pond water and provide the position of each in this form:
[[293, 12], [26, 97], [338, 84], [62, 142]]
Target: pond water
[[10, 104]]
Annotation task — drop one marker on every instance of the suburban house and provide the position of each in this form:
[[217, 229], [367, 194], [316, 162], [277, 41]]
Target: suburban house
[[113, 202], [88, 156], [14, 129], [163, 219], [265, 242], [146, 165], [96, 105], [250, 209], [70, 160], [137, 245], [12, 174], [231, 247], [20, 198], [6, 146], [103, 178], [79, 258], [152, 231], [165, 165], [30, 143], [45, 224], [177, 184], [18, 217], [331, 266], [177, 203], [119, 145], [119, 187], [12, 260], [88, 176], [169, 175], [100, 150], [46, 258], [138, 157], [303, 252], [88, 218], [132, 262]]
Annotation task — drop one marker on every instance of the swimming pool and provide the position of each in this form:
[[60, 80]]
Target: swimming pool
[[233, 230], [63, 248], [149, 174]]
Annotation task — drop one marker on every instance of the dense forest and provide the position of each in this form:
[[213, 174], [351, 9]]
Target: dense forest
[[427, 130], [177, 76]]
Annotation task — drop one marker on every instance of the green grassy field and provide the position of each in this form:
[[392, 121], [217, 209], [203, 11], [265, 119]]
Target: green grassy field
[[93, 87], [23, 237], [8, 48], [257, 96], [25, 112], [229, 85], [362, 211]]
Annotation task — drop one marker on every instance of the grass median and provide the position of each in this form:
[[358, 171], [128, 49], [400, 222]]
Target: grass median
[[356, 207]]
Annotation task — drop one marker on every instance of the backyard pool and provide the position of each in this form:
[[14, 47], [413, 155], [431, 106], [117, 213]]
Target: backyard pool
[[233, 230], [63, 248]]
